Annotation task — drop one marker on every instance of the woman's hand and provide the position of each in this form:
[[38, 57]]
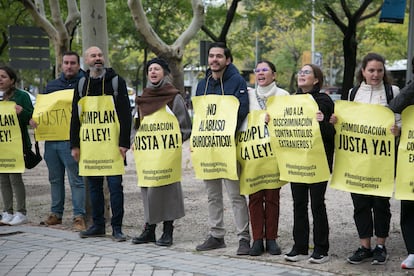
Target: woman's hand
[[333, 119], [32, 123], [18, 108], [395, 130]]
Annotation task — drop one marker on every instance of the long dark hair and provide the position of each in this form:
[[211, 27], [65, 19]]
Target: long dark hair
[[369, 57], [12, 75]]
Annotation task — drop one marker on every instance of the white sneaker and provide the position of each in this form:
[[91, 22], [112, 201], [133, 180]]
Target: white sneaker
[[18, 218], [6, 218], [408, 263]]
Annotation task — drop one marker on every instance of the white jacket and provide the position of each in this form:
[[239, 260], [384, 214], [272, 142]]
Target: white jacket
[[375, 95]]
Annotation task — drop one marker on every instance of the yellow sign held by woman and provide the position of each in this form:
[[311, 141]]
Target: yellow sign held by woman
[[256, 155], [99, 129], [157, 150], [404, 189], [364, 149], [299, 146], [11, 148], [213, 149]]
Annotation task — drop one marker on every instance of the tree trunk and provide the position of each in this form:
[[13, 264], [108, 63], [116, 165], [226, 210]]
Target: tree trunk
[[350, 54], [94, 26], [95, 33]]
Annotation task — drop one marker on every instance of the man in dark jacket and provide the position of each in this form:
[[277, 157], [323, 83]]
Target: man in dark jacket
[[99, 82], [223, 77], [58, 155]]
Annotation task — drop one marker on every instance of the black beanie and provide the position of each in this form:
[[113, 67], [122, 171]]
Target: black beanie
[[160, 62]]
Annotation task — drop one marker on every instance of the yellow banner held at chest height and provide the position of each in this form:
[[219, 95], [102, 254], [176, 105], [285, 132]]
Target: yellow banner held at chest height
[[257, 157], [213, 149], [52, 114], [364, 149], [299, 147], [404, 189], [158, 150], [99, 137], [11, 148]]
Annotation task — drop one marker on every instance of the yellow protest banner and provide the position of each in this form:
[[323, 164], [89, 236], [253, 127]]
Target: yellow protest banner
[[256, 155], [99, 137], [52, 114], [299, 148], [11, 148], [364, 149], [213, 149], [404, 188], [157, 150]]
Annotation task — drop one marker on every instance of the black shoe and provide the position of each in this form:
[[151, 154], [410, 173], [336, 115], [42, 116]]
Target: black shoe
[[211, 243], [317, 258], [244, 247], [361, 255], [118, 236], [257, 248], [148, 235], [294, 256], [93, 231], [272, 247], [165, 240], [379, 255]]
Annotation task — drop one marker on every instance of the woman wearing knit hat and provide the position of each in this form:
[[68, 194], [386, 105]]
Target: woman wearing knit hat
[[162, 202]]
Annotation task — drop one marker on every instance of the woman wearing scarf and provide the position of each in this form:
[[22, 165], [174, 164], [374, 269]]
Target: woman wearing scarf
[[162, 203], [264, 204]]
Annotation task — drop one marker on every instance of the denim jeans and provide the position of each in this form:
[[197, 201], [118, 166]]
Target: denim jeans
[[116, 192], [58, 158]]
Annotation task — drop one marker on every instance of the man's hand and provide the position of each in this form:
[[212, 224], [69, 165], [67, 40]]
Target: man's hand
[[76, 154], [123, 152]]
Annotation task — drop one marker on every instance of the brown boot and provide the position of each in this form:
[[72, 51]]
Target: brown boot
[[79, 224], [52, 220]]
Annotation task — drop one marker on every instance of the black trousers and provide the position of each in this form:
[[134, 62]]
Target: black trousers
[[407, 224], [371, 215], [300, 194]]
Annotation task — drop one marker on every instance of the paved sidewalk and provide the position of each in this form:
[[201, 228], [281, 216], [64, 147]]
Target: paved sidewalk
[[31, 250]]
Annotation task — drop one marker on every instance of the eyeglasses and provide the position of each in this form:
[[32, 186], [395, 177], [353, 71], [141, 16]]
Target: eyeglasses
[[304, 72], [258, 70]]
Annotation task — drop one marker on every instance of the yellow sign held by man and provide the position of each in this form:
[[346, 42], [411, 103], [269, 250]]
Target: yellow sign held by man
[[52, 115], [99, 129], [213, 149], [404, 189]]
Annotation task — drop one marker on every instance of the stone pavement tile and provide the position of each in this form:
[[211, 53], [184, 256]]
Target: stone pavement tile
[[58, 252]]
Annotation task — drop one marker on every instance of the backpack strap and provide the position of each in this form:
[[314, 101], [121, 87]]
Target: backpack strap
[[353, 92], [81, 82], [115, 85], [115, 79], [388, 92]]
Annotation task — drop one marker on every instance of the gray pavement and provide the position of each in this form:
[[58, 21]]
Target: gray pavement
[[35, 250]]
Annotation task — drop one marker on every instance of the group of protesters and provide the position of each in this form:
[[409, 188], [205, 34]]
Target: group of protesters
[[93, 144]]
